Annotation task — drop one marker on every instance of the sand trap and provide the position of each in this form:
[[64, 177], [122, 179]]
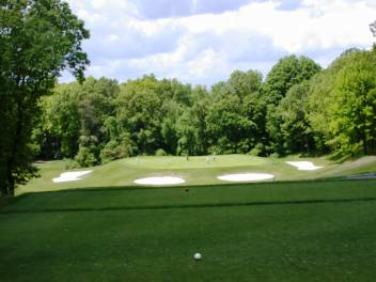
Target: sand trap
[[304, 165], [71, 176], [246, 177], [160, 180]]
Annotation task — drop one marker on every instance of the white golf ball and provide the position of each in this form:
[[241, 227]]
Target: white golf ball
[[197, 256]]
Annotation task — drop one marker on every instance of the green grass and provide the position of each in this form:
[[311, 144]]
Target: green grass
[[313, 226], [296, 231], [196, 171]]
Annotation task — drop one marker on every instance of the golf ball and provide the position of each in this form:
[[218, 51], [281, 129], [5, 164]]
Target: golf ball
[[197, 256]]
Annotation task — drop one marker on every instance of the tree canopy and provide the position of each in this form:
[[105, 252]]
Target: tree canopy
[[299, 108]]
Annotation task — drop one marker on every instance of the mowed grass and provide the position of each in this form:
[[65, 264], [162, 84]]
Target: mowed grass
[[196, 171], [298, 231]]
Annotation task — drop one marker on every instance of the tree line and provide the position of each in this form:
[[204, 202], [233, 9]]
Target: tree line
[[298, 108]]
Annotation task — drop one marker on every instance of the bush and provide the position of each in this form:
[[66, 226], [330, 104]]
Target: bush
[[258, 150], [115, 150], [85, 157], [214, 150], [109, 152], [274, 155], [70, 164], [160, 153]]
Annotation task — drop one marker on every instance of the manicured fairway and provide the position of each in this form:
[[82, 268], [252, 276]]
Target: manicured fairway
[[201, 170], [301, 231]]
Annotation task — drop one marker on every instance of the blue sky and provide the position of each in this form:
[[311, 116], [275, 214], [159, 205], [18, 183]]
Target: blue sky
[[203, 41]]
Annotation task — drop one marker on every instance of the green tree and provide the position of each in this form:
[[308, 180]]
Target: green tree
[[296, 131], [342, 106], [228, 126], [74, 114], [289, 71], [236, 115], [199, 112], [191, 126], [174, 90], [187, 135], [243, 84], [38, 40], [354, 109], [58, 130], [321, 100], [96, 105], [139, 113], [172, 112]]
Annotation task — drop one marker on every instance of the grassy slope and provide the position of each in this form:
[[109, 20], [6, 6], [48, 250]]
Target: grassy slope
[[197, 171], [312, 231]]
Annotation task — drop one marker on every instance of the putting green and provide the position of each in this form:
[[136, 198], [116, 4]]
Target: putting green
[[222, 161]]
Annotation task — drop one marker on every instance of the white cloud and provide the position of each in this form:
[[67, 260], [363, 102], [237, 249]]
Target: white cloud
[[317, 24], [176, 47]]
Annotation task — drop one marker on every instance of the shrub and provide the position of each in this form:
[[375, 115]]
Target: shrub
[[275, 155], [258, 150], [117, 150], [85, 157], [160, 153], [70, 164]]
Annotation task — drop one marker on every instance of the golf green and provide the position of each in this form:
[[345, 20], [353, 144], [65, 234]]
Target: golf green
[[200, 170]]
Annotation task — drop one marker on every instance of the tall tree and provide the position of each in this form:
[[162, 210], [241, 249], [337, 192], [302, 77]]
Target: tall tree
[[38, 40], [243, 84], [296, 131], [354, 107], [228, 126], [139, 113], [96, 104], [58, 130], [289, 71], [321, 99], [343, 104], [235, 119]]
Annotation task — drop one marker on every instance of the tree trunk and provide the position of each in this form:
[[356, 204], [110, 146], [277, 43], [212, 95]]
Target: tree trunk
[[11, 164], [11, 184], [3, 189], [7, 187], [365, 145]]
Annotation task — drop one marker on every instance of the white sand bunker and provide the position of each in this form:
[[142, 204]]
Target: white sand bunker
[[71, 176], [160, 180], [246, 177], [304, 165]]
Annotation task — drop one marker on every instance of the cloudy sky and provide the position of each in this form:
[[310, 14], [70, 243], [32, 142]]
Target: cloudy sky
[[203, 41]]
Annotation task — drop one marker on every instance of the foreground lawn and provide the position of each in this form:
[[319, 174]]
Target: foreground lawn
[[302, 231]]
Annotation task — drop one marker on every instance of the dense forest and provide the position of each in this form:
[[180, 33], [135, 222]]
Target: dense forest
[[297, 108]]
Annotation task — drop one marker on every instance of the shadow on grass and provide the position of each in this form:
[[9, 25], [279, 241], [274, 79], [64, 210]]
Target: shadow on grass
[[189, 206], [230, 185], [35, 201]]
